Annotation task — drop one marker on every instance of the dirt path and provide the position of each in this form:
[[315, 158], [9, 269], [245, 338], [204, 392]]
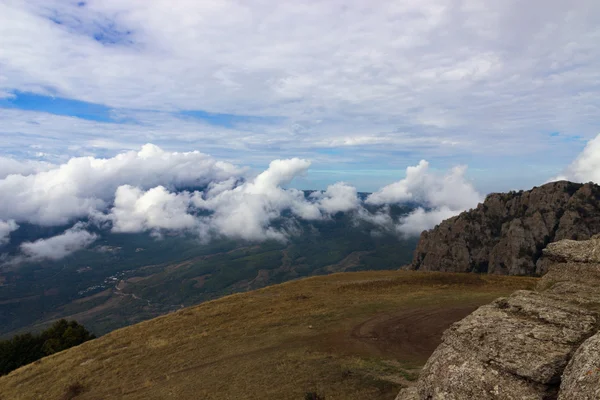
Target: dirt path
[[408, 334]]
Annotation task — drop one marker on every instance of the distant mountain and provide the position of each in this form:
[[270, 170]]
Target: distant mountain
[[507, 232], [127, 278]]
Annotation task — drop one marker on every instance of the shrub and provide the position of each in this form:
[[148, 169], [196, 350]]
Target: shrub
[[73, 390], [26, 348]]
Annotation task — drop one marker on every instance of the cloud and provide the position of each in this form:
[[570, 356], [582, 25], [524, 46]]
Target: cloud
[[440, 196], [155, 209], [246, 211], [586, 166], [59, 246], [384, 86], [10, 166], [84, 185], [339, 197], [249, 209], [232, 208], [420, 220], [6, 227], [433, 190], [156, 191]]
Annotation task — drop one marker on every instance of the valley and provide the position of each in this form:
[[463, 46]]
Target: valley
[[128, 278]]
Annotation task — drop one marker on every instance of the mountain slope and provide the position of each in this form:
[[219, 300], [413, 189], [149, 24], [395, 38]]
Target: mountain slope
[[345, 336], [127, 278], [507, 232]]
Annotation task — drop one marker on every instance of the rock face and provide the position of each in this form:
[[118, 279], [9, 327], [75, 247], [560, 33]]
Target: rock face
[[581, 379], [533, 345], [507, 232]]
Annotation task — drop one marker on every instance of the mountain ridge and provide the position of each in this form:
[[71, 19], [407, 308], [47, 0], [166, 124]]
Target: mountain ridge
[[506, 233]]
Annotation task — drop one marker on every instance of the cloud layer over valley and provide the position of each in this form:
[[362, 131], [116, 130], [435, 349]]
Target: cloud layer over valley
[[394, 98], [156, 191]]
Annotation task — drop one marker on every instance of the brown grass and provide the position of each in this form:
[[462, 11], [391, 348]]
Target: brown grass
[[280, 342]]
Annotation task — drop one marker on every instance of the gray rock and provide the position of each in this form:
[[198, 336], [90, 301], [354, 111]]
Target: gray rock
[[409, 393], [574, 251], [507, 232], [581, 379], [528, 345], [452, 374]]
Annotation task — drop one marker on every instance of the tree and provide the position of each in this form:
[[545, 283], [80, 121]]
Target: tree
[[26, 348]]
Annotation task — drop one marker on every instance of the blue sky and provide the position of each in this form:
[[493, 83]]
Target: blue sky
[[363, 90]]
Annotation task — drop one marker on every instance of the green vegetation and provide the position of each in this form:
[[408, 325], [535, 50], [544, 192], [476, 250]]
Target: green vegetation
[[27, 348]]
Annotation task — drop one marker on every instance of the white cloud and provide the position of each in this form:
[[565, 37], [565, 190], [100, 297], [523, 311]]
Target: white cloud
[[242, 210], [444, 195], [141, 192], [426, 187], [59, 246], [339, 197], [421, 220], [10, 166], [155, 209], [85, 184], [586, 167], [6, 227], [247, 210], [433, 77], [237, 209]]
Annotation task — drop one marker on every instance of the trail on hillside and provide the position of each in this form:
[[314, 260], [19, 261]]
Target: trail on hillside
[[408, 335]]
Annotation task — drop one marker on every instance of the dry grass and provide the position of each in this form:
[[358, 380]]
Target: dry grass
[[274, 343]]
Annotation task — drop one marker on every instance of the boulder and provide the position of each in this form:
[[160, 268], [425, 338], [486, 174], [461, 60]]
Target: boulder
[[581, 379], [536, 345]]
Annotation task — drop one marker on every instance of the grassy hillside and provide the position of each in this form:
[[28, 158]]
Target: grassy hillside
[[358, 335]]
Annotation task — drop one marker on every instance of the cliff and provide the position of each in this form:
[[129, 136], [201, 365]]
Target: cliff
[[533, 345], [507, 232]]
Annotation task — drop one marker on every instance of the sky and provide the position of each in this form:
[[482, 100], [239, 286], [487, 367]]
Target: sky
[[107, 107], [362, 89]]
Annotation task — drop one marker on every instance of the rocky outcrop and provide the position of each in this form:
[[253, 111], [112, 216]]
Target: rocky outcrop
[[507, 232], [581, 379], [533, 345]]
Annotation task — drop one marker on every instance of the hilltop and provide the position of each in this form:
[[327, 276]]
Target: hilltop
[[345, 336]]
